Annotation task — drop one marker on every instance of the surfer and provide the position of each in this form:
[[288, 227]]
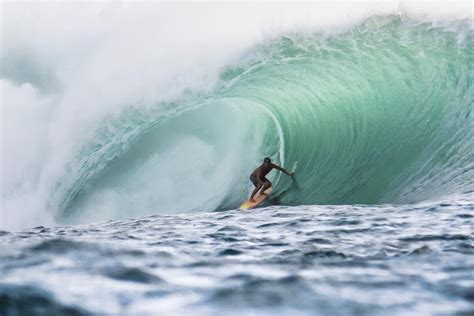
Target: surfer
[[258, 177]]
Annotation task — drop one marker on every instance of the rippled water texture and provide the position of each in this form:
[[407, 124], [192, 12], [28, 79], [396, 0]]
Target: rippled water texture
[[313, 260]]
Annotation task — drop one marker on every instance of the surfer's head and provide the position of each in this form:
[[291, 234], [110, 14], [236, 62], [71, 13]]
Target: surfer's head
[[267, 160]]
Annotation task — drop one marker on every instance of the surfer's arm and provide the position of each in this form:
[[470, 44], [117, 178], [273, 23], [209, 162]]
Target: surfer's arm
[[282, 169]]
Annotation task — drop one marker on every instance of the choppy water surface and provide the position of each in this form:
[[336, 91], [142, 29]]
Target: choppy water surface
[[302, 260]]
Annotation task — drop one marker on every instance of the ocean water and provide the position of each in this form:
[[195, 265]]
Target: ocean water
[[127, 146], [278, 260]]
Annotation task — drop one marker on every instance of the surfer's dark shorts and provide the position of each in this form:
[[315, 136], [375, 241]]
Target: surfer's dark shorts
[[254, 180]]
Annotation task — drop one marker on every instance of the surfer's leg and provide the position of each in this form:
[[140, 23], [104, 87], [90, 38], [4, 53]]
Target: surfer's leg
[[266, 185], [253, 179], [257, 188]]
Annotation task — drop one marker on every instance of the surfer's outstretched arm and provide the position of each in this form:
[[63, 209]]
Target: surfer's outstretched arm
[[282, 169]]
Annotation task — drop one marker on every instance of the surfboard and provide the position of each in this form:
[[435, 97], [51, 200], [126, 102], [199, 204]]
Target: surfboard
[[259, 198]]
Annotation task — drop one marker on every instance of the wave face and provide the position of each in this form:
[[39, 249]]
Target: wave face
[[382, 114], [379, 114]]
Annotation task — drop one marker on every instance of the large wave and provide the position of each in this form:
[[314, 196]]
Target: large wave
[[381, 113]]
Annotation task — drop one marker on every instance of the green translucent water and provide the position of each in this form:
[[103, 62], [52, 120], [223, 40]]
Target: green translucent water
[[380, 114]]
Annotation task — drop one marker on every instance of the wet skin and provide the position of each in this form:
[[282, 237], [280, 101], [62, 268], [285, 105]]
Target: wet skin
[[260, 175]]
